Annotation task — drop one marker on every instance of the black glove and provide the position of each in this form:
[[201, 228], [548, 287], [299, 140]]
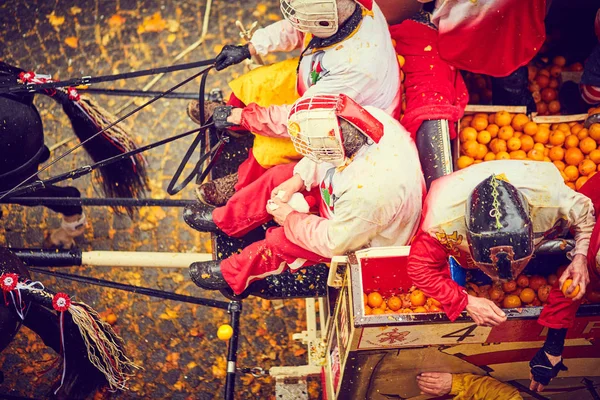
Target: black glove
[[542, 370], [231, 55], [220, 116]]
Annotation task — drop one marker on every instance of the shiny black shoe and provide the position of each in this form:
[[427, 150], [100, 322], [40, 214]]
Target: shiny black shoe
[[207, 275], [199, 217]]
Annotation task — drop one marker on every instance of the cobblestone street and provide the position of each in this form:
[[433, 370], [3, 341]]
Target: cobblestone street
[[175, 343]]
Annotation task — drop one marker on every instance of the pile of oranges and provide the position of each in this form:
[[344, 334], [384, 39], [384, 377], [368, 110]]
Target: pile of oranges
[[544, 81], [479, 87], [573, 149], [525, 291], [414, 301]]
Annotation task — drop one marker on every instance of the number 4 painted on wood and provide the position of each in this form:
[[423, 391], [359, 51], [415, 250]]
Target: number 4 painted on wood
[[462, 334]]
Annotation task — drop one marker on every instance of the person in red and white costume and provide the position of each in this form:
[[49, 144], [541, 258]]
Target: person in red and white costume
[[346, 48], [491, 216], [362, 166]]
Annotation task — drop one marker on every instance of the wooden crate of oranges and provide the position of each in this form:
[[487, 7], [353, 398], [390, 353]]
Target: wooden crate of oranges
[[506, 135]]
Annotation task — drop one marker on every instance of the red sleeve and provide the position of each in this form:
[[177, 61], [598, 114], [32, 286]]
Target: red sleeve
[[428, 268], [560, 310]]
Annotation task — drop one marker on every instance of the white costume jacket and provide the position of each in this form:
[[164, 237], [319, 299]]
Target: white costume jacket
[[373, 201]]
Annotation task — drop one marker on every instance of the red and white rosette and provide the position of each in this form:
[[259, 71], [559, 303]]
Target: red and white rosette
[[8, 282], [61, 302]]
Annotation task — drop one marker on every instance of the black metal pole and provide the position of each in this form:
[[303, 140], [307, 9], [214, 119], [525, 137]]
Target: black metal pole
[[78, 201], [139, 93], [235, 309]]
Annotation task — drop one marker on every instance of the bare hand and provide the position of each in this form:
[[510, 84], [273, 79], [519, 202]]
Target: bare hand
[[289, 187], [236, 116], [435, 383], [577, 271], [281, 212], [484, 312]]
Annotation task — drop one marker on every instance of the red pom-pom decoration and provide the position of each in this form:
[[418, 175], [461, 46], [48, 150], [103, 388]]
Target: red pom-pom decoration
[[73, 94], [61, 302], [26, 76], [8, 282]]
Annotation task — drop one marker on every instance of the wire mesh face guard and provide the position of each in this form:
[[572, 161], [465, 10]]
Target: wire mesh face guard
[[318, 17], [315, 130]]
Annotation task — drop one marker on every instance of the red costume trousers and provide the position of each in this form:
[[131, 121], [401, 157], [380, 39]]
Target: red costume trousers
[[250, 170], [245, 211]]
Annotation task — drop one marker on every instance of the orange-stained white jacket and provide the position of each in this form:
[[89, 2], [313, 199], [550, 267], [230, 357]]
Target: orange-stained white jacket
[[554, 207], [363, 66], [373, 201]]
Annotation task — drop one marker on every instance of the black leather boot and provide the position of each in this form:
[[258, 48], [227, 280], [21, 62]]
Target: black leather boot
[[207, 275], [199, 217]]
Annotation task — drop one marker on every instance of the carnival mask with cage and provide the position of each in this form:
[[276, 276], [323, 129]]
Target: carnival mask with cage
[[499, 229], [318, 17], [314, 126]]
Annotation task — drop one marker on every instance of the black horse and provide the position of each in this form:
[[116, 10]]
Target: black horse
[[81, 376], [22, 149]]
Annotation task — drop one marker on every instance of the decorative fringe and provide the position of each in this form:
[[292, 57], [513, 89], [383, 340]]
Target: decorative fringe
[[103, 346]]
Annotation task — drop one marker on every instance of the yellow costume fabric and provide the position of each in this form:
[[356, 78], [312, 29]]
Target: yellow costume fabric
[[266, 86], [475, 387]]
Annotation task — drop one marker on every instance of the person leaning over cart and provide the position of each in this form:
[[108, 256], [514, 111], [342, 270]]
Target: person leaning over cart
[[491, 216], [346, 48], [360, 164]]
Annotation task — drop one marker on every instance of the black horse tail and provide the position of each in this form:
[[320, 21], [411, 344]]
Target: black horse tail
[[93, 355], [126, 178]]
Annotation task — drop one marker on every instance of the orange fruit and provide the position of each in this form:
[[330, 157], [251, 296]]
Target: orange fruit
[[548, 94], [368, 310], [470, 148], [530, 128], [477, 161], [557, 138], [580, 182], [377, 311], [566, 285], [479, 123], [484, 137], [571, 172], [365, 299], [560, 61], [417, 298], [527, 295], [518, 135], [539, 147], [555, 71], [464, 162], [547, 159], [374, 300], [595, 156], [492, 118], [586, 167], [564, 127], [542, 136], [512, 301], [498, 145], [576, 128], [480, 115], [518, 155], [571, 185], [502, 155], [536, 155], [556, 153], [526, 143], [468, 133], [506, 132], [466, 121], [594, 131], [573, 156], [582, 134], [560, 165], [513, 144], [394, 303], [554, 107], [483, 150], [519, 121], [420, 310], [493, 129], [542, 80], [490, 156], [587, 145], [571, 141], [541, 108], [502, 118]]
